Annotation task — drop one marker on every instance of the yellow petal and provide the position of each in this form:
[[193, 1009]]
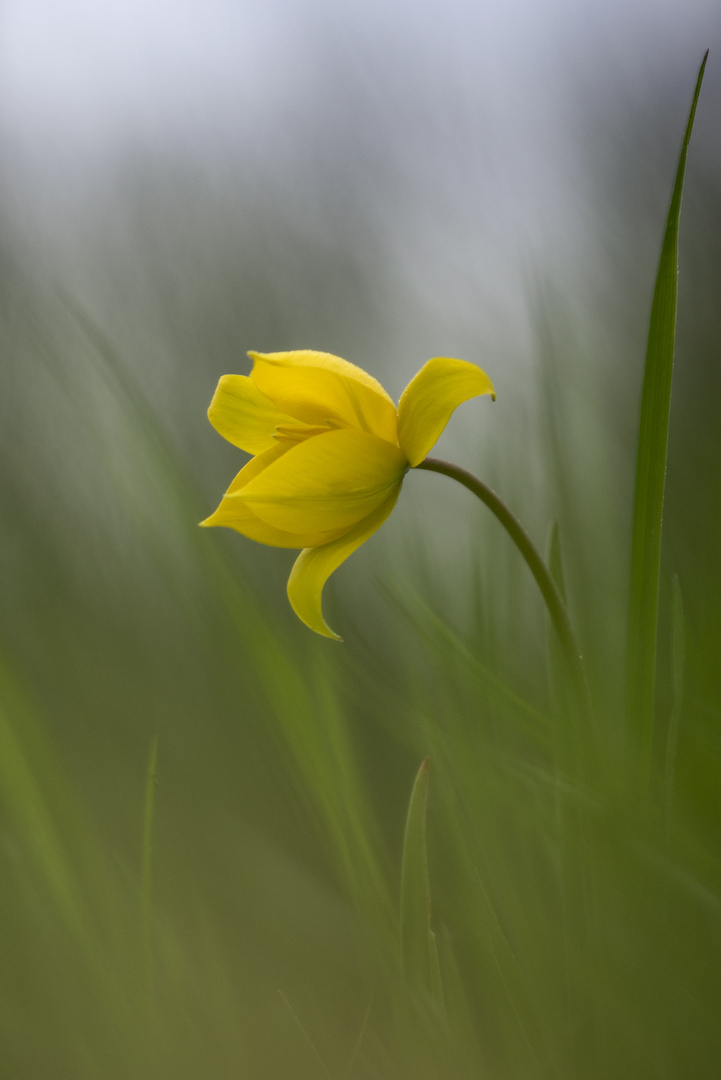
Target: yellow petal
[[244, 416], [430, 398], [236, 514], [258, 465], [316, 387], [314, 566], [328, 482]]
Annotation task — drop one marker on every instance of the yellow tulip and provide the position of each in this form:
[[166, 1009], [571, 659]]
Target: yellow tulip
[[330, 453]]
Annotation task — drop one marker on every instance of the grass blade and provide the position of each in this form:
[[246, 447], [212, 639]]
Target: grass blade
[[678, 660], [557, 670], [419, 954], [650, 480]]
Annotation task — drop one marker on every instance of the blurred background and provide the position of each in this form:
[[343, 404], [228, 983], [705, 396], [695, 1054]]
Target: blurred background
[[179, 183]]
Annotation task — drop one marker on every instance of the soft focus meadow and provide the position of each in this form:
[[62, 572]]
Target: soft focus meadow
[[204, 806]]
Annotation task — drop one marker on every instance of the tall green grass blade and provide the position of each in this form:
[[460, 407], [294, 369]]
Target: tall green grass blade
[[555, 657], [419, 954], [650, 480], [678, 663]]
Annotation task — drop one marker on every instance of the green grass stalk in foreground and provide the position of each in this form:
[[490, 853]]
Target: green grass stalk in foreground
[[650, 481]]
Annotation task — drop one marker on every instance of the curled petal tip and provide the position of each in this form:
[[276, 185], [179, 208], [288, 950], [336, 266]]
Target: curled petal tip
[[431, 397], [305, 586]]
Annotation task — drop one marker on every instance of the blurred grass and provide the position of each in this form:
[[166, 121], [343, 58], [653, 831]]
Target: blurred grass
[[575, 937]]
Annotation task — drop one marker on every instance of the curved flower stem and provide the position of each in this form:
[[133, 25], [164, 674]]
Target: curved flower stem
[[544, 579]]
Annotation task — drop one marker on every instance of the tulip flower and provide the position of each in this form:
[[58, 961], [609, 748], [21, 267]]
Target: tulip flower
[[330, 451]]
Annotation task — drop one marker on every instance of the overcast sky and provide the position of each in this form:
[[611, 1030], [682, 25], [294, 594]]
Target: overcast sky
[[417, 110], [83, 69]]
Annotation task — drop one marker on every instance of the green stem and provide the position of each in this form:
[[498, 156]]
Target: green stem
[[544, 579]]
